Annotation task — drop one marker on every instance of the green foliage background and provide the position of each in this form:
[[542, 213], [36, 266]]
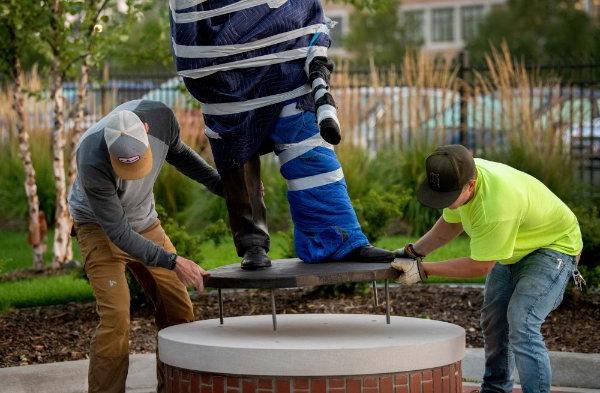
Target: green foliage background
[[539, 31]]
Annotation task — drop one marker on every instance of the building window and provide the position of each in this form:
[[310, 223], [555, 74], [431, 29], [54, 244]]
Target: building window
[[414, 22], [337, 33], [471, 18], [442, 25]]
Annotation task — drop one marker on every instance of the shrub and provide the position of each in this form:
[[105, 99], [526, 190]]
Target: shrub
[[376, 210], [589, 223], [174, 191], [392, 172], [278, 210], [216, 232], [204, 209], [185, 243], [288, 248], [410, 172], [591, 276]]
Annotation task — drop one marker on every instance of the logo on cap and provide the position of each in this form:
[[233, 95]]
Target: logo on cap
[[434, 180], [129, 160]]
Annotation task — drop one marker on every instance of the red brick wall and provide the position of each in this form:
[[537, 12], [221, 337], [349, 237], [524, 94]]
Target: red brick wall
[[447, 379]]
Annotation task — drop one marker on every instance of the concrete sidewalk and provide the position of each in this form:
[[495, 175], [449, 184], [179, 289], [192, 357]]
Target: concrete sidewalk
[[71, 377], [572, 371], [569, 369]]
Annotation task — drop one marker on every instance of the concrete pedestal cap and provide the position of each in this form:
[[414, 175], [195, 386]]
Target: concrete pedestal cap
[[311, 345]]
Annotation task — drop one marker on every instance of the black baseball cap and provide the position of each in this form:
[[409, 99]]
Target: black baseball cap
[[448, 169]]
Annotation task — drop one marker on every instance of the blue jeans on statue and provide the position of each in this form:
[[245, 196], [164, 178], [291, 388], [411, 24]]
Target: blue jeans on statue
[[517, 300]]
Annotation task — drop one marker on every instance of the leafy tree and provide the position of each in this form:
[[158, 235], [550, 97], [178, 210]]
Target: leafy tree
[[147, 45], [16, 22], [537, 31], [380, 33], [66, 36]]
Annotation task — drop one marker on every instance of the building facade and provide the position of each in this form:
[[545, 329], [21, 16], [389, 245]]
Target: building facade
[[446, 25], [441, 25]]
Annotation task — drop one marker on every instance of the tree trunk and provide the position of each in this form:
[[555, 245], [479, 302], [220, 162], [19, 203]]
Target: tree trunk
[[62, 224], [79, 118], [37, 224], [77, 132]]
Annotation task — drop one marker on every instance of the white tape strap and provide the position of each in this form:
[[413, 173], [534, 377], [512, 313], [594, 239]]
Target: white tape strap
[[259, 61], [290, 110], [314, 52], [195, 16], [327, 111], [319, 82], [287, 152], [320, 93], [209, 52], [183, 4], [319, 180], [230, 108], [211, 134]]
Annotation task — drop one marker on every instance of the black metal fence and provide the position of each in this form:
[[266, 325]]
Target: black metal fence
[[381, 109]]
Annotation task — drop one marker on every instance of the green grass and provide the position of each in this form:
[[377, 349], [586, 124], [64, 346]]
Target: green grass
[[16, 254], [44, 291], [62, 289]]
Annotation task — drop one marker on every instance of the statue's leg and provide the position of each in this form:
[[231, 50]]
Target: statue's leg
[[247, 212], [325, 224]]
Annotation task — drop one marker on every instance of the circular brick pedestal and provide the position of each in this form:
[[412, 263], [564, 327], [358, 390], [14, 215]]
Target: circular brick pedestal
[[313, 353]]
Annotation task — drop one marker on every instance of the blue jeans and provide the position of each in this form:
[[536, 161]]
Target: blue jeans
[[517, 300]]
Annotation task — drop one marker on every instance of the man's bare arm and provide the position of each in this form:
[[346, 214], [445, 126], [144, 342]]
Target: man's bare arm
[[459, 268], [440, 234]]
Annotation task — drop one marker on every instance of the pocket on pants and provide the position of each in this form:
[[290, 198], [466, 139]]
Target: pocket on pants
[[540, 270], [93, 243]]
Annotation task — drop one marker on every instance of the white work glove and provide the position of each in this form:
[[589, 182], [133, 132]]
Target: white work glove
[[411, 270]]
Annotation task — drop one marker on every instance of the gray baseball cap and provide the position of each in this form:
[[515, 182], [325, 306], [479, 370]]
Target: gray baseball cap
[[128, 146]]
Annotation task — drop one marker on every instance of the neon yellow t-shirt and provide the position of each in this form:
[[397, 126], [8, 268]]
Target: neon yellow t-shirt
[[513, 214]]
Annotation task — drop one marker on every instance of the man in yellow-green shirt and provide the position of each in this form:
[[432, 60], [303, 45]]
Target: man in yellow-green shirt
[[523, 237]]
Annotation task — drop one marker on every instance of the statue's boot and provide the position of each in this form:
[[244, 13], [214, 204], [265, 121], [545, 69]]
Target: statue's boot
[[369, 253], [255, 258]]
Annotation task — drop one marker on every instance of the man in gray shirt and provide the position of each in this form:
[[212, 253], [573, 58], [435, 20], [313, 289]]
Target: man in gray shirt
[[112, 204]]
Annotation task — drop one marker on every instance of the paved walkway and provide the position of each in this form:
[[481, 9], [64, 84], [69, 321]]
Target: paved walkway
[[469, 387], [71, 377]]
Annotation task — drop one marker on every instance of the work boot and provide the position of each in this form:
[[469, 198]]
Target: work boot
[[369, 253], [255, 258]]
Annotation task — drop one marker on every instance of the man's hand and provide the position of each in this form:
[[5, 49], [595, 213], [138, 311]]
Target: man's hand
[[408, 252], [190, 274], [411, 270]]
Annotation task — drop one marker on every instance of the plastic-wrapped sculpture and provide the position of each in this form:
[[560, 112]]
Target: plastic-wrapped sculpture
[[260, 70]]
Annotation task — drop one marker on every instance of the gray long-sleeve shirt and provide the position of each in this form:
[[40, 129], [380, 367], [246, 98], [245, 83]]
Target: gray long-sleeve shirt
[[123, 208]]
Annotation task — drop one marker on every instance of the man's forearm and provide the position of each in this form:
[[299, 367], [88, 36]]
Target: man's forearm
[[459, 268], [188, 162], [441, 233]]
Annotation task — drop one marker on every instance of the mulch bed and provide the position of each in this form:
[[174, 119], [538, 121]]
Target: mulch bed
[[59, 333]]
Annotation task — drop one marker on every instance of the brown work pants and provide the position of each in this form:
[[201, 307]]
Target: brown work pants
[[244, 195], [105, 267]]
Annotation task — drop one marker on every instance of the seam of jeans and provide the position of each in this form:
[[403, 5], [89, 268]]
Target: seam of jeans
[[564, 287], [529, 313], [505, 270]]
